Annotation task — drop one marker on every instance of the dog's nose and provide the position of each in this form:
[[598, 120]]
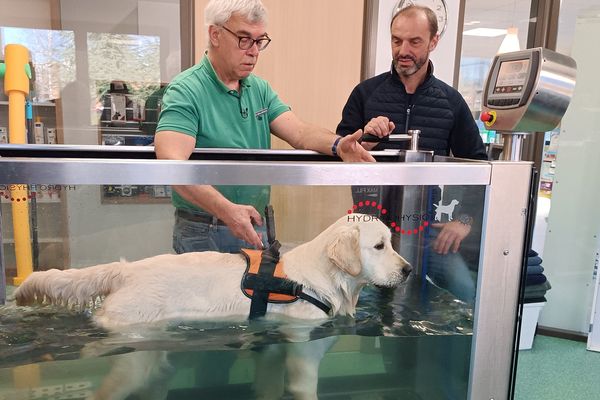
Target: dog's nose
[[406, 270]]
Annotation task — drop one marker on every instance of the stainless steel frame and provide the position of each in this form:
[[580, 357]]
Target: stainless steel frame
[[162, 172], [494, 340], [494, 336]]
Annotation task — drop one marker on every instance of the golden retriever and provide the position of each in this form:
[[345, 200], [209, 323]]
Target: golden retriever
[[354, 251]]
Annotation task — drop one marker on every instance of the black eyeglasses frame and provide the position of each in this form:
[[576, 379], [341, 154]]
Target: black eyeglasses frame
[[244, 40]]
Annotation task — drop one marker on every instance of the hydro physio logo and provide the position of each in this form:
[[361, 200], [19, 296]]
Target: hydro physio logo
[[33, 192], [405, 224]]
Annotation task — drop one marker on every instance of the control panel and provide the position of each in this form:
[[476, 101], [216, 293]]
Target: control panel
[[528, 90]]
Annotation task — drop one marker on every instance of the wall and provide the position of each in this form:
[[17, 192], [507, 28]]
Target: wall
[[37, 15], [574, 219], [443, 57]]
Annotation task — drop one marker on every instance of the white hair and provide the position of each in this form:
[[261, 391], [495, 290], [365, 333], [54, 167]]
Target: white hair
[[218, 12]]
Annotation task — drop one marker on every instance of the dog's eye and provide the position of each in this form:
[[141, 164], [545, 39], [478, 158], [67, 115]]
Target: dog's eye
[[380, 246]]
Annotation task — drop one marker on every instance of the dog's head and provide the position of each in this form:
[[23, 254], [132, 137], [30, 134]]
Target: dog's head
[[361, 246]]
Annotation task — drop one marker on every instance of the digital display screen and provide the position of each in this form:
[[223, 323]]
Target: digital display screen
[[512, 76]]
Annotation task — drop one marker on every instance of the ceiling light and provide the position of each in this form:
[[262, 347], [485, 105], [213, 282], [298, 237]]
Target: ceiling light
[[485, 32]]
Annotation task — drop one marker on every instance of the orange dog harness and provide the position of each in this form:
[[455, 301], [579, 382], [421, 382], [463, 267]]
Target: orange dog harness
[[265, 282]]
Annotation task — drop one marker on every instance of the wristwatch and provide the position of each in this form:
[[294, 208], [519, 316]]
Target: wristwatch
[[465, 219]]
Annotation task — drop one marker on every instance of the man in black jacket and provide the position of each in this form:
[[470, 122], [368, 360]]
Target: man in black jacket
[[411, 97]]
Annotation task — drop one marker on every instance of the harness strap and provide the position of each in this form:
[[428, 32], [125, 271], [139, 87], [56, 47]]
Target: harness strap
[[324, 307], [258, 306], [261, 281]]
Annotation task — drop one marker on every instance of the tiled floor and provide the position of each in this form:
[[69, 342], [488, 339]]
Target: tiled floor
[[558, 369]]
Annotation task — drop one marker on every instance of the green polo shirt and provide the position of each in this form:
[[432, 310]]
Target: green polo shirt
[[198, 104]]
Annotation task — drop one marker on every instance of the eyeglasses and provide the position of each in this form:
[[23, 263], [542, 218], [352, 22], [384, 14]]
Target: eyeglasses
[[246, 42]]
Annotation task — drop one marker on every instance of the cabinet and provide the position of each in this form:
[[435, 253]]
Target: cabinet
[[49, 232], [130, 120], [43, 112]]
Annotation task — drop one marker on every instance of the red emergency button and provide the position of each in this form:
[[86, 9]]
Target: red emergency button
[[488, 118]]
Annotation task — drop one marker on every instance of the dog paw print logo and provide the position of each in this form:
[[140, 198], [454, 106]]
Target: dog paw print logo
[[447, 209], [373, 208]]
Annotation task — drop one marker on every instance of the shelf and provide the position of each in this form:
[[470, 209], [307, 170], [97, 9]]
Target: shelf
[[47, 201], [129, 108], [43, 104], [120, 125], [116, 131], [42, 201], [135, 200], [40, 240]]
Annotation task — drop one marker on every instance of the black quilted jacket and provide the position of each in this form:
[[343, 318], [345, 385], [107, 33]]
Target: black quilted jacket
[[435, 108]]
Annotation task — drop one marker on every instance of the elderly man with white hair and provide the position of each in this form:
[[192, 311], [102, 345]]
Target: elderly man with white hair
[[219, 103]]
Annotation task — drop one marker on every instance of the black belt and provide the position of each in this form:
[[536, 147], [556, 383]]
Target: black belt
[[202, 218]]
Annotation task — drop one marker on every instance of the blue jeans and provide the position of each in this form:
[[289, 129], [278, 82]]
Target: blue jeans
[[450, 272], [189, 236]]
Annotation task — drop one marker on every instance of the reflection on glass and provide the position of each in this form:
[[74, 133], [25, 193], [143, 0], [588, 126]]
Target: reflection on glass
[[124, 70], [53, 56]]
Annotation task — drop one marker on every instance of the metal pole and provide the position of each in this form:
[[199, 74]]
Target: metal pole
[[512, 146], [187, 15], [16, 86], [2, 268], [369, 47], [543, 32], [414, 139]]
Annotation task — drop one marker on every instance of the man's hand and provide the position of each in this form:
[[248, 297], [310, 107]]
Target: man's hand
[[240, 218], [379, 126], [450, 237], [349, 149]]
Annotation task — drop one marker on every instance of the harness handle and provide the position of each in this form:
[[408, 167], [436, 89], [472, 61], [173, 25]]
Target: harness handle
[[270, 218]]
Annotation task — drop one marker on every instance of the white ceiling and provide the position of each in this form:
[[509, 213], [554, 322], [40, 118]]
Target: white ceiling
[[501, 14]]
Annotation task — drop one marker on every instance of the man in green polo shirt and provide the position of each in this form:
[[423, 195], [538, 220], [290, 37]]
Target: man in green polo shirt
[[220, 103]]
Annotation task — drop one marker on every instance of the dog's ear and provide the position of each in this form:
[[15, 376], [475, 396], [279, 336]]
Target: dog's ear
[[344, 251]]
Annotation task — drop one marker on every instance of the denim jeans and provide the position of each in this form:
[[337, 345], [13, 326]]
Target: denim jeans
[[189, 236], [450, 271]]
